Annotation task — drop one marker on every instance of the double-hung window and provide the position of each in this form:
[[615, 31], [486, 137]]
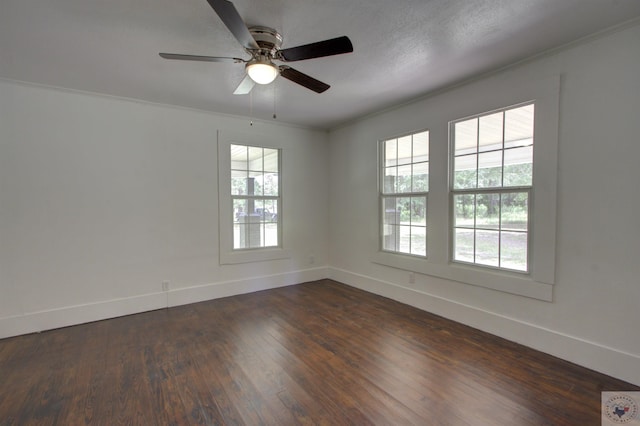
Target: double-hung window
[[492, 178], [403, 193], [255, 195], [251, 184]]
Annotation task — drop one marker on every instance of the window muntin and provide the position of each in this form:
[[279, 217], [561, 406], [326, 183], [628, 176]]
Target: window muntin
[[492, 229], [255, 196], [492, 177], [403, 193]]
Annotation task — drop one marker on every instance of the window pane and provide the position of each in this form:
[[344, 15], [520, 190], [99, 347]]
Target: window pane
[[418, 211], [518, 126], [270, 184], [239, 180], [488, 211], [270, 160], [391, 238], [464, 245], [254, 235], [515, 211], [258, 209], [405, 239], [518, 166], [269, 213], [404, 150], [237, 242], [403, 205], [270, 234], [391, 215], [254, 184], [487, 248], [464, 206], [420, 177], [490, 170], [466, 137], [255, 159], [418, 240], [239, 210], [513, 252], [247, 232], [391, 153], [239, 157], [490, 132], [404, 179], [465, 173], [390, 218], [390, 176], [421, 147]]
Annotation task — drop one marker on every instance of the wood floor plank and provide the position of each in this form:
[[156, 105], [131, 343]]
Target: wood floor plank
[[336, 400], [326, 359], [318, 353]]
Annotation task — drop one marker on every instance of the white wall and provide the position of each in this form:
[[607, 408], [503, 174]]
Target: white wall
[[102, 199], [594, 316]]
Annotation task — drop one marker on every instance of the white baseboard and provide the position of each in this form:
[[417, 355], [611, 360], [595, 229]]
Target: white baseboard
[[184, 296], [607, 360], [591, 355], [34, 322]]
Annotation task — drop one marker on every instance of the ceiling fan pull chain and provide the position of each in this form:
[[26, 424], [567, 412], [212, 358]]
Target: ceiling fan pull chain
[[274, 101], [250, 108]]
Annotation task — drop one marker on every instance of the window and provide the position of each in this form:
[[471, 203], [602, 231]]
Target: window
[[251, 184], [491, 196], [403, 193], [492, 176], [255, 194]]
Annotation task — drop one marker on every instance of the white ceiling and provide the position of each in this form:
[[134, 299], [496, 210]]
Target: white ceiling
[[402, 48]]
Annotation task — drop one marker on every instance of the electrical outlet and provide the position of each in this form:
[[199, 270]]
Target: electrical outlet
[[412, 278], [165, 286]]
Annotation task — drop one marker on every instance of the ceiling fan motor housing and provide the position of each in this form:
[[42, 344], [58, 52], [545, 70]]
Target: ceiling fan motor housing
[[267, 38]]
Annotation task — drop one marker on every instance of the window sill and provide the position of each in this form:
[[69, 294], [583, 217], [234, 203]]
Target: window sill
[[254, 255], [504, 281]]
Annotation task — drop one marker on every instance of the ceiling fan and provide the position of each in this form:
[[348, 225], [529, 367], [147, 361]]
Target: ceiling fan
[[263, 44]]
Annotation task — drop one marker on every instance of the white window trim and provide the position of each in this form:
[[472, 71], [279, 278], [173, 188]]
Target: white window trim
[[478, 98], [225, 211], [382, 195]]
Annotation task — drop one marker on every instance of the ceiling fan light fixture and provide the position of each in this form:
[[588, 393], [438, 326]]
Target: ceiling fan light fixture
[[261, 71]]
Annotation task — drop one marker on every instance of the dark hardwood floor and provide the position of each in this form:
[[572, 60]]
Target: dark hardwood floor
[[315, 353]]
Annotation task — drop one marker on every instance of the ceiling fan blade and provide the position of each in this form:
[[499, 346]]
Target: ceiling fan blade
[[231, 18], [245, 86], [334, 46], [303, 79], [199, 58]]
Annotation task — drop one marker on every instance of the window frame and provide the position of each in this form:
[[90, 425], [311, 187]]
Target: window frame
[[259, 198], [227, 253], [529, 189], [382, 195]]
